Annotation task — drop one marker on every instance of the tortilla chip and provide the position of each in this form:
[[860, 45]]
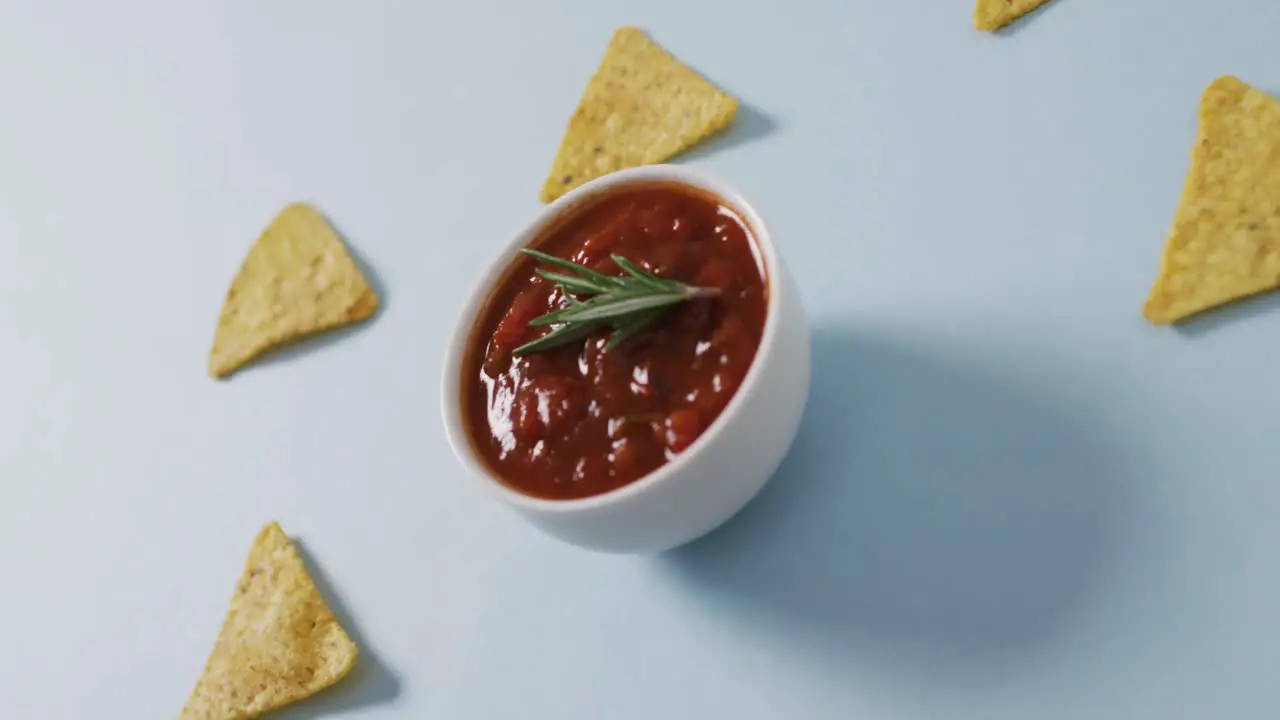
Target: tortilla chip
[[641, 107], [991, 15], [1225, 242], [280, 642], [297, 280]]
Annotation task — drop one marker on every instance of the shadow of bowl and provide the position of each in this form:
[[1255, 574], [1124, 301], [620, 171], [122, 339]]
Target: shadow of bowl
[[927, 507]]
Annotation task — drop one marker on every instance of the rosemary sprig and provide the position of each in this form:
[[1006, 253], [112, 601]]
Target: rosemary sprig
[[625, 304]]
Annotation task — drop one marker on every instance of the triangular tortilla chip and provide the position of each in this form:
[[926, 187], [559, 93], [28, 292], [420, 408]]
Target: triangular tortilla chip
[[641, 107], [297, 280], [280, 642], [1225, 242], [992, 15]]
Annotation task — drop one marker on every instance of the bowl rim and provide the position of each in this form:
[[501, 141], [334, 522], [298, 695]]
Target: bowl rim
[[477, 298]]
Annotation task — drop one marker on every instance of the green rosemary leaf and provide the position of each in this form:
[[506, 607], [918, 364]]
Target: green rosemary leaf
[[626, 303], [558, 337], [618, 308], [558, 316], [573, 284], [647, 278], [624, 330], [599, 303], [582, 270]]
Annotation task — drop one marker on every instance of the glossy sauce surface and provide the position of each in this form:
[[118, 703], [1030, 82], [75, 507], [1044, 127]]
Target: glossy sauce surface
[[577, 421]]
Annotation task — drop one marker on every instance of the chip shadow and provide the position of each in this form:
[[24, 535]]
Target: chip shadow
[[315, 343], [750, 124], [370, 681], [1228, 315], [932, 512]]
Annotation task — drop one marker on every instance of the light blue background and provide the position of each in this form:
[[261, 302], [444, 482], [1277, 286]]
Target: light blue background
[[1011, 498]]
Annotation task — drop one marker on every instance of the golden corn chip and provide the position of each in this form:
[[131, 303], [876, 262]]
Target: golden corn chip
[[992, 15], [297, 280], [641, 107], [280, 643], [1225, 242]]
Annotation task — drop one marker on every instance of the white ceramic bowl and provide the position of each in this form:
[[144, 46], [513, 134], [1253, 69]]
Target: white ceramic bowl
[[724, 468]]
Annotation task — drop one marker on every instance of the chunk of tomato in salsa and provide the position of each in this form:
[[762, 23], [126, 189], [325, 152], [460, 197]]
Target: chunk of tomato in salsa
[[580, 420]]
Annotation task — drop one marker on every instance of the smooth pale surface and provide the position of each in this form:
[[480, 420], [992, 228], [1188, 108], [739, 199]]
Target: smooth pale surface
[[1012, 498]]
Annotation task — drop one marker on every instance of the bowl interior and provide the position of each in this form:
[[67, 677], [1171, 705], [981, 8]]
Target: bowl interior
[[506, 262]]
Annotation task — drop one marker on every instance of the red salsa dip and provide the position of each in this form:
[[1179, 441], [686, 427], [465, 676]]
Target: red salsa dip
[[582, 419]]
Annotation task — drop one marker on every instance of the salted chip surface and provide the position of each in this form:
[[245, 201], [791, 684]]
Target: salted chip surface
[[994, 14], [642, 106], [1225, 241], [297, 280], [279, 643]]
